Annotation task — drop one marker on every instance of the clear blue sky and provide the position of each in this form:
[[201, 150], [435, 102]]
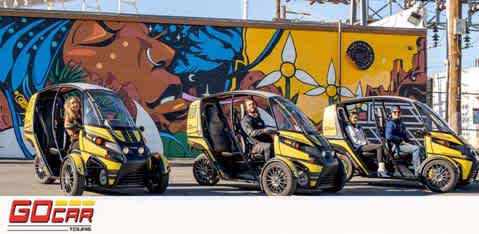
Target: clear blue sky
[[265, 10]]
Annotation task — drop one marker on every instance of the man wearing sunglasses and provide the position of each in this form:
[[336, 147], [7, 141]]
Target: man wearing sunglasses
[[396, 135]]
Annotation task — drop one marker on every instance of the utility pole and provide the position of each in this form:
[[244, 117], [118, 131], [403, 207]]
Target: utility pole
[[364, 12], [278, 9], [353, 12], [454, 11]]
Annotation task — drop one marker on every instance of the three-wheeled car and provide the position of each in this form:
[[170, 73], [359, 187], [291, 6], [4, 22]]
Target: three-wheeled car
[[112, 151], [448, 161], [302, 157]]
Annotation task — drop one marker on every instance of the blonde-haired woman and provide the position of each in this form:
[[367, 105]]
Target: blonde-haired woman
[[72, 121]]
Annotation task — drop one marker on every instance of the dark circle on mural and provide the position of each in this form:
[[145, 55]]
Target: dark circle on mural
[[362, 54]]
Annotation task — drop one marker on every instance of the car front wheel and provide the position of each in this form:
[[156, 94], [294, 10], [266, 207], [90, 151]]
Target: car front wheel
[[440, 176], [277, 180], [71, 181]]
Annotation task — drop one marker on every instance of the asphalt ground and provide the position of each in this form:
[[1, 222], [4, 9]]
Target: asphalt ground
[[16, 178]]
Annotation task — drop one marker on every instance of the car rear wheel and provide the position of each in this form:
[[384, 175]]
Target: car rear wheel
[[204, 171], [277, 180], [440, 176], [347, 165], [71, 181], [41, 171]]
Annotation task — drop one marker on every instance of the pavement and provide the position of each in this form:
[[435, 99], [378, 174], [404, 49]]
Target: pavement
[[16, 178]]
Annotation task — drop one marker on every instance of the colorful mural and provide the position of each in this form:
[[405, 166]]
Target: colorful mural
[[164, 67]]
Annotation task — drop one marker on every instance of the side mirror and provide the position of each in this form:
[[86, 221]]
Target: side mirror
[[142, 129]]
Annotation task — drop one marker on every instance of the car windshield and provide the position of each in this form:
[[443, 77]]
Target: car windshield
[[431, 119], [112, 109], [290, 117]]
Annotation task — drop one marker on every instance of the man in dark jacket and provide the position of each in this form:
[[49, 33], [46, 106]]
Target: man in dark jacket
[[396, 135], [258, 133]]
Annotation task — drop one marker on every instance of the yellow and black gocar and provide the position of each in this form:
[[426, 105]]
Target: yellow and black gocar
[[302, 157], [112, 151], [449, 161]]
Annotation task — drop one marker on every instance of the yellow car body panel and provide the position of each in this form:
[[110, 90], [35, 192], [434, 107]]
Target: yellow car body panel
[[453, 155], [446, 137], [299, 137], [343, 144], [312, 167], [289, 163], [98, 131], [28, 121], [330, 123], [292, 152], [90, 148], [193, 128], [79, 163], [466, 167], [118, 135]]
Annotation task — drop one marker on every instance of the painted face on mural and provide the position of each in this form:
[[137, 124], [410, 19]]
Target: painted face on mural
[[122, 56]]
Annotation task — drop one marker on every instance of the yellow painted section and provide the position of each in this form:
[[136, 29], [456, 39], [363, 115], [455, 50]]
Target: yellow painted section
[[111, 181], [193, 125], [443, 150], [165, 162], [77, 159], [289, 163], [28, 121], [90, 148], [88, 202], [110, 165], [61, 202], [388, 48], [75, 202], [353, 155], [330, 121], [312, 167], [137, 135], [277, 148], [289, 151], [466, 167], [101, 132], [299, 137], [446, 137], [118, 135]]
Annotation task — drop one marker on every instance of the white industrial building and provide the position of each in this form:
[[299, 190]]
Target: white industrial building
[[469, 100]]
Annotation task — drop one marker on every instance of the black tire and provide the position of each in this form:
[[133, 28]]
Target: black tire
[[41, 171], [440, 176], [204, 171], [339, 180], [347, 165], [71, 181], [277, 179], [158, 186]]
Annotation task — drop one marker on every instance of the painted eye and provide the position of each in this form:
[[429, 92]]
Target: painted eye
[[94, 34]]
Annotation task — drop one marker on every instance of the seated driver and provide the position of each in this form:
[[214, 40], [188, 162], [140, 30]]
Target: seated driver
[[258, 134], [72, 117], [396, 135], [361, 144]]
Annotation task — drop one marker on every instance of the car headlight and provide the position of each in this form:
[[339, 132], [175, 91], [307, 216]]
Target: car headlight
[[141, 150], [125, 150]]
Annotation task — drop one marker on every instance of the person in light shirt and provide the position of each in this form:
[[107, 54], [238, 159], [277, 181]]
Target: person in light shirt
[[361, 143]]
